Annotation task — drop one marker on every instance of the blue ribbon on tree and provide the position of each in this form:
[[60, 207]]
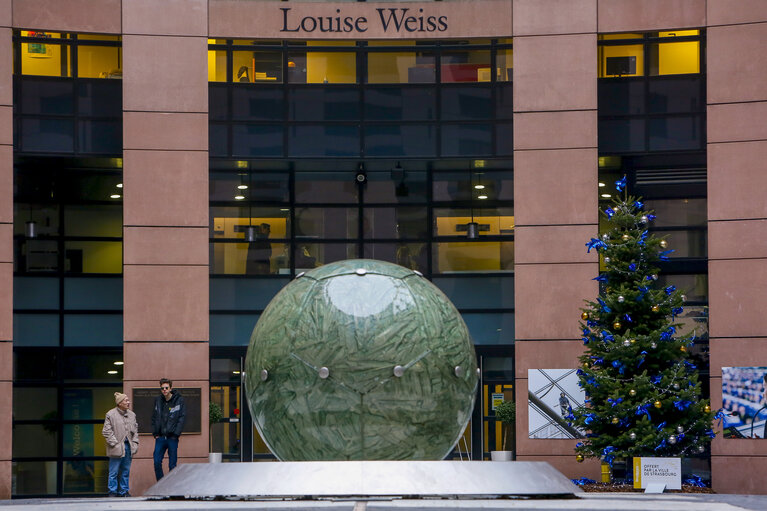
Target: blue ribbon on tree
[[603, 305], [644, 409], [601, 278], [710, 433], [663, 256], [609, 212], [590, 417], [620, 184], [661, 445], [650, 218], [655, 379], [596, 244], [607, 336], [641, 359], [633, 267], [670, 289], [642, 291], [592, 323], [628, 318], [660, 426], [583, 480], [695, 480], [642, 238], [638, 204], [614, 402]]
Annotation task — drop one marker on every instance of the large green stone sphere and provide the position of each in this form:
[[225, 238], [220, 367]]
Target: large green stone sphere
[[360, 360]]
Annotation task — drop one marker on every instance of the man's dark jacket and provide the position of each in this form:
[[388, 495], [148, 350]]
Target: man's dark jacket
[[168, 416]]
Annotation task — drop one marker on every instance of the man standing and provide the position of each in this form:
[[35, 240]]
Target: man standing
[[168, 419], [121, 433]]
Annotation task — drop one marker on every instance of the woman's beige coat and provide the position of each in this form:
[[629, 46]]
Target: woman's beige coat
[[118, 426]]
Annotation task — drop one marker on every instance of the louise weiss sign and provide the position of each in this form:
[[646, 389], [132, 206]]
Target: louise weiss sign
[[403, 20], [667, 471]]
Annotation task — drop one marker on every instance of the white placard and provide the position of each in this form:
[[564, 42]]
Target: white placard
[[666, 471]]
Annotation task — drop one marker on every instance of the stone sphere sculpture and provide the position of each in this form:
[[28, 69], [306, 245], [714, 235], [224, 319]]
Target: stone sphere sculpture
[[360, 360]]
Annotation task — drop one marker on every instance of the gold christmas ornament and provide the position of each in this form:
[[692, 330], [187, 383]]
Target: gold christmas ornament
[[683, 348], [663, 244], [707, 409], [615, 420], [657, 404], [585, 365], [632, 392], [655, 308], [585, 316], [617, 325], [579, 458], [632, 341], [625, 237]]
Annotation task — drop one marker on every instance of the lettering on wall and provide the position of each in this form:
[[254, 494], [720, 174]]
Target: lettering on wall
[[392, 20]]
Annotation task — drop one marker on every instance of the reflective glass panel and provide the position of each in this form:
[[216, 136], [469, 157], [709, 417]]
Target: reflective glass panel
[[249, 258], [260, 140], [324, 140], [678, 212], [87, 403], [395, 223], [478, 292], [694, 286], [492, 221], [685, 243], [257, 66], [35, 403], [93, 257], [231, 329], [94, 330], [84, 440], [35, 364], [44, 57], [410, 255], [234, 222], [257, 104], [675, 133], [466, 103], [467, 139], [398, 185], [225, 186], [34, 440], [245, 294], [85, 476], [620, 61], [224, 369], [322, 67], [622, 135], [323, 104], [504, 64], [399, 103], [330, 223], [312, 255], [93, 220], [92, 367], [400, 140], [675, 58], [34, 477], [338, 187]]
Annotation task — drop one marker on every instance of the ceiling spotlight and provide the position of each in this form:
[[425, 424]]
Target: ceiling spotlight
[[112, 372], [482, 196], [606, 195], [239, 197], [602, 185], [479, 187], [119, 185], [119, 363], [115, 196], [235, 372], [242, 187]]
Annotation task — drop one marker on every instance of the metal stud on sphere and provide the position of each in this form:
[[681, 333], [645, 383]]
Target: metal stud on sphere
[[364, 360]]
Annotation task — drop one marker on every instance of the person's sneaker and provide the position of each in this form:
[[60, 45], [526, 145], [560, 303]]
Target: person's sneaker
[[126, 494], [113, 494]]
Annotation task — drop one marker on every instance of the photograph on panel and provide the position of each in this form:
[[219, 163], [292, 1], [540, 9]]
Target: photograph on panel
[[744, 402], [552, 394]]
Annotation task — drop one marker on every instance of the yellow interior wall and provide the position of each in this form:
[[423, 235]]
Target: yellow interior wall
[[621, 51], [239, 59], [48, 64], [98, 61], [679, 58], [99, 256], [234, 255], [382, 67], [330, 67]]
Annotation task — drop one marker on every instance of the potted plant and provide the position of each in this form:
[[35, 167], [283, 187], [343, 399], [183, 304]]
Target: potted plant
[[505, 413], [215, 414]]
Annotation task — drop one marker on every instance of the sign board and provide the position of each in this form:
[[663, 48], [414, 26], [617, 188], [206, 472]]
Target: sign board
[[143, 404], [497, 399], [667, 471]]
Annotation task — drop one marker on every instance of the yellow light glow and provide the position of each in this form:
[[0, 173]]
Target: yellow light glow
[[242, 187], [112, 372], [482, 196]]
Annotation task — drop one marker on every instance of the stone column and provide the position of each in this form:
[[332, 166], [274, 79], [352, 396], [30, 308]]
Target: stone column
[[737, 218], [555, 198], [165, 103], [6, 247]]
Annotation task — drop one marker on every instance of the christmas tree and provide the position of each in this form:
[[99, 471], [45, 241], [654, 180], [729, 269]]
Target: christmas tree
[[642, 390]]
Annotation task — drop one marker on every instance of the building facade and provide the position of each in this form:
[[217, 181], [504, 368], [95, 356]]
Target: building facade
[[167, 167]]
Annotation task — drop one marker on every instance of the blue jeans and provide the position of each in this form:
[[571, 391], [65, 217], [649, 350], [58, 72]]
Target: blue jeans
[[119, 471], [162, 444]]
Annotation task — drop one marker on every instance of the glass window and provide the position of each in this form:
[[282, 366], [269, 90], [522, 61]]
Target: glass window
[[223, 369], [94, 330], [677, 94], [622, 97], [35, 364], [693, 286], [492, 221], [87, 403], [410, 255], [324, 104], [99, 61], [47, 135], [621, 61], [465, 66], [245, 294], [34, 477], [466, 103], [324, 140], [93, 256], [92, 367], [231, 329], [35, 330], [401, 185], [478, 292], [34, 440], [504, 139], [93, 220], [216, 65], [400, 104], [312, 255], [674, 58], [259, 186], [473, 256], [256, 104], [401, 67], [678, 212], [47, 97], [395, 222], [89, 293], [407, 140], [685, 243], [504, 64], [621, 135], [249, 258], [35, 293], [322, 67], [257, 140], [675, 133], [338, 187], [490, 328], [35, 403], [461, 186], [326, 223], [84, 476], [233, 222], [257, 66], [467, 139], [45, 56]]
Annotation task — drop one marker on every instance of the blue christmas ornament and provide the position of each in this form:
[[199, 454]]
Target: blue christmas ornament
[[601, 278], [650, 218], [660, 426], [633, 267]]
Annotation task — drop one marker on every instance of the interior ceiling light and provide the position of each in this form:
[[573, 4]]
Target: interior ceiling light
[[119, 185], [602, 185], [239, 197], [119, 363], [482, 196], [112, 372], [606, 195], [115, 196], [235, 372], [479, 187], [242, 187]]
